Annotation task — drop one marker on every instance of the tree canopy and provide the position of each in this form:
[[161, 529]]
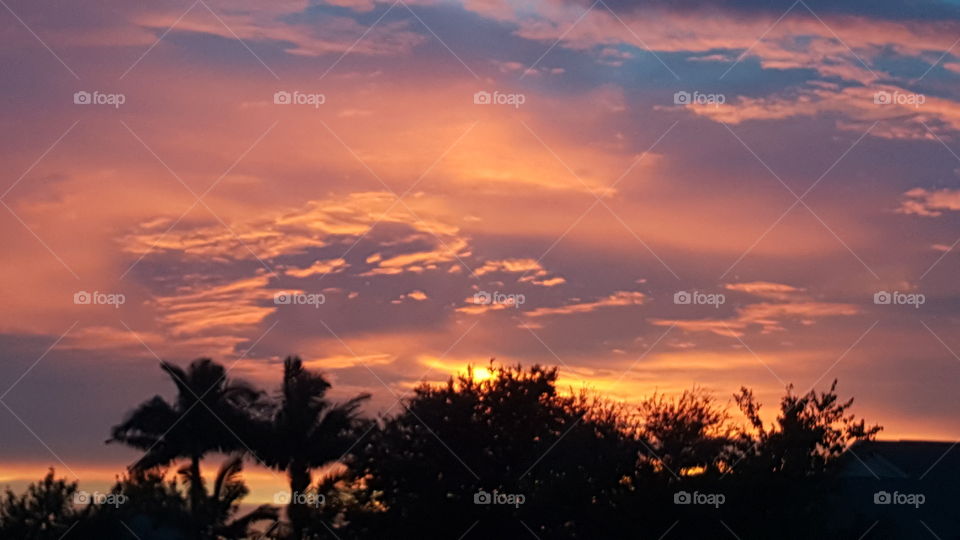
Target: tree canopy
[[508, 455]]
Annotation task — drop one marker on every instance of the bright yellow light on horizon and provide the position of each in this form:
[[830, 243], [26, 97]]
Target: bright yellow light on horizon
[[455, 368], [481, 374]]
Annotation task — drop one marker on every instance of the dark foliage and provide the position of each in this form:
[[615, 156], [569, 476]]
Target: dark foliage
[[306, 431], [506, 456], [455, 442]]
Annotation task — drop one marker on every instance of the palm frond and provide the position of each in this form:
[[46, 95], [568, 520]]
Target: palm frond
[[229, 472]]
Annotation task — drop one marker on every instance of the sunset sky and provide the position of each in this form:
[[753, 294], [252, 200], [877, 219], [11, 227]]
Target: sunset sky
[[795, 158]]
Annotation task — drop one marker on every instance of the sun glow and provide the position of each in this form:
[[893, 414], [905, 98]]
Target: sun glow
[[481, 374]]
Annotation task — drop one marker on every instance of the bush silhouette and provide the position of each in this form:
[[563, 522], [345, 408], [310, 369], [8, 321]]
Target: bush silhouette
[[503, 456]]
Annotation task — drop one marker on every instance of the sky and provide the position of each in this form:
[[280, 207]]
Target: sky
[[652, 196]]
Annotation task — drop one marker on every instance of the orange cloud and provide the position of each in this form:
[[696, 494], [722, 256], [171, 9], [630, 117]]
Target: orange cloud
[[790, 304], [533, 272], [321, 267], [619, 298], [766, 289], [230, 306]]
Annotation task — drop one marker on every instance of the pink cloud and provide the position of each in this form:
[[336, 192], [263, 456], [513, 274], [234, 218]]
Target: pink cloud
[[930, 203]]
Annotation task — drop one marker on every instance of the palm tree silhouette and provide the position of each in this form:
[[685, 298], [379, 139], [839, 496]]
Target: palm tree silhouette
[[307, 431], [206, 416], [223, 502]]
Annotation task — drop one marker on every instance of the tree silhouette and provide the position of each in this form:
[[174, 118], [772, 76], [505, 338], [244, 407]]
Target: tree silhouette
[[785, 475], [514, 434], [44, 512], [222, 504], [205, 417], [689, 434], [811, 432], [153, 508], [502, 456], [306, 431]]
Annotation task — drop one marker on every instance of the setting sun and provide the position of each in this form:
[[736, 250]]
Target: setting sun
[[481, 374]]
